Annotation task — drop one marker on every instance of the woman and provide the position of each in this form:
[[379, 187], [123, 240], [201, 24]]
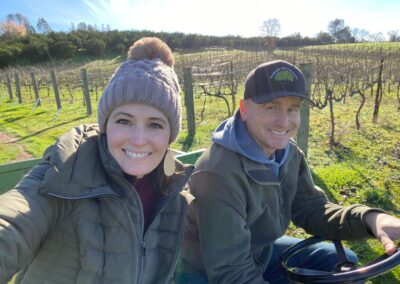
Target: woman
[[107, 202]]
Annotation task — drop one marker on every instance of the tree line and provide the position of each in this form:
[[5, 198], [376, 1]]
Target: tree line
[[23, 44], [338, 32]]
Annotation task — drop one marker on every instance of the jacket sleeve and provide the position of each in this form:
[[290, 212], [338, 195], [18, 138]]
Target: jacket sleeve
[[25, 217], [312, 211], [224, 235]]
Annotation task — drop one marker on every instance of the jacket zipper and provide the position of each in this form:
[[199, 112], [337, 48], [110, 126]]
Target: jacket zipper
[[142, 263], [142, 244], [142, 257], [173, 195], [172, 269], [142, 260]]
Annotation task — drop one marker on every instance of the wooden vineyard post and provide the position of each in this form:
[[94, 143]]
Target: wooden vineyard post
[[9, 88], [35, 89], [188, 89], [304, 129], [379, 92], [55, 88], [18, 88], [86, 93], [232, 82]]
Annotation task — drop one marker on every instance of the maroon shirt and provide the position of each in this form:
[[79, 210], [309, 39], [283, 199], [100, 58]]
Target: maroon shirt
[[148, 197]]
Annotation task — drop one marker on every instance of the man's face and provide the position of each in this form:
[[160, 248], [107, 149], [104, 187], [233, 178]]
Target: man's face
[[272, 123]]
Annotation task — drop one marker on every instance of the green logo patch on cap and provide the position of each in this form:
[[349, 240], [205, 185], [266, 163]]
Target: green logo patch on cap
[[283, 75]]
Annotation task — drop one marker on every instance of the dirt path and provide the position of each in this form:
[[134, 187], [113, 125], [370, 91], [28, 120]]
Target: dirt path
[[23, 155]]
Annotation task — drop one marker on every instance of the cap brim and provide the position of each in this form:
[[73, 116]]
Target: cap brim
[[259, 99]]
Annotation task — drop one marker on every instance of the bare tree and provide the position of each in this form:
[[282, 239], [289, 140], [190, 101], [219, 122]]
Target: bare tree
[[394, 35], [377, 37], [43, 26], [339, 31], [360, 35], [271, 27]]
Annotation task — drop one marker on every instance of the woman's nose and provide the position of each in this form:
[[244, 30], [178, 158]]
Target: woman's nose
[[138, 136]]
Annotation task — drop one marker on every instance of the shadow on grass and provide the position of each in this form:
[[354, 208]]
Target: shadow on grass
[[341, 152], [14, 119], [9, 110], [46, 129], [11, 120], [319, 182], [38, 113]]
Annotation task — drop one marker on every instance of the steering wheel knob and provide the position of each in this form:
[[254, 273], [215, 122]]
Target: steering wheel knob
[[345, 266]]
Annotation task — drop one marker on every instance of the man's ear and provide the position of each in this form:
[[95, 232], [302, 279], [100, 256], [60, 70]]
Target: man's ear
[[242, 109]]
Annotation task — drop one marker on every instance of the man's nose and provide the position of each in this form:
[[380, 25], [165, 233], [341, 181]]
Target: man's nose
[[282, 119]]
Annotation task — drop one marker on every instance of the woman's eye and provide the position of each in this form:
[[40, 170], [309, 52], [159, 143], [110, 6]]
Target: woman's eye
[[122, 121], [156, 125]]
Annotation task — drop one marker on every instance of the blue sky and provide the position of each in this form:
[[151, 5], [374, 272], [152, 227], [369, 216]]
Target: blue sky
[[211, 17]]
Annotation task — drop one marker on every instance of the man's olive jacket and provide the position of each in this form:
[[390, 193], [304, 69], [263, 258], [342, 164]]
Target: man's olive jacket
[[241, 208]]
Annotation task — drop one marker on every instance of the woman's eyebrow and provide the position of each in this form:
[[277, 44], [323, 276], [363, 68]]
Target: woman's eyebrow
[[123, 113], [159, 119]]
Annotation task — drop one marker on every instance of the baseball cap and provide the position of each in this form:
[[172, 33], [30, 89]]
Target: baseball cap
[[273, 80]]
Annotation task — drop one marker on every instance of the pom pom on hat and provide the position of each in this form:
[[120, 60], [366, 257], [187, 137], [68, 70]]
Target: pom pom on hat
[[146, 77], [151, 48]]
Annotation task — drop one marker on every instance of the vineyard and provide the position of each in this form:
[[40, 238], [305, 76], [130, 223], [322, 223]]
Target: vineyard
[[212, 83], [354, 132], [369, 72]]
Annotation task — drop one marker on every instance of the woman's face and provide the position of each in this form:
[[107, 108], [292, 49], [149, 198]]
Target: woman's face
[[138, 137]]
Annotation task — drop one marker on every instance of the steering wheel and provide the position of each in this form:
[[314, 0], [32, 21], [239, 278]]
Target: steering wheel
[[344, 272]]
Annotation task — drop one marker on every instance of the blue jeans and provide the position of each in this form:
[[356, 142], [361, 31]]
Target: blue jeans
[[321, 256]]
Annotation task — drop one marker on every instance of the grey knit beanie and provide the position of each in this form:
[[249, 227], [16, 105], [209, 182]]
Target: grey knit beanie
[[147, 77]]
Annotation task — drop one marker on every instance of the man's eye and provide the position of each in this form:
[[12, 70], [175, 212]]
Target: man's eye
[[272, 108], [122, 121], [294, 110]]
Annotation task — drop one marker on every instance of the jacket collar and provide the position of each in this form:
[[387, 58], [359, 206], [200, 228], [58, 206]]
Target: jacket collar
[[75, 168], [262, 173]]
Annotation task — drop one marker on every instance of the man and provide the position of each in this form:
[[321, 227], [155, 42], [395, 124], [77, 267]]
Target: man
[[253, 181]]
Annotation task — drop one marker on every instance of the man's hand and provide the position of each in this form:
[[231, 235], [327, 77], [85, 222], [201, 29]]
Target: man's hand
[[386, 229]]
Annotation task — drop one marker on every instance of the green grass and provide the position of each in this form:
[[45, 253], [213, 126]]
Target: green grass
[[37, 128], [366, 46], [9, 152], [362, 168]]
